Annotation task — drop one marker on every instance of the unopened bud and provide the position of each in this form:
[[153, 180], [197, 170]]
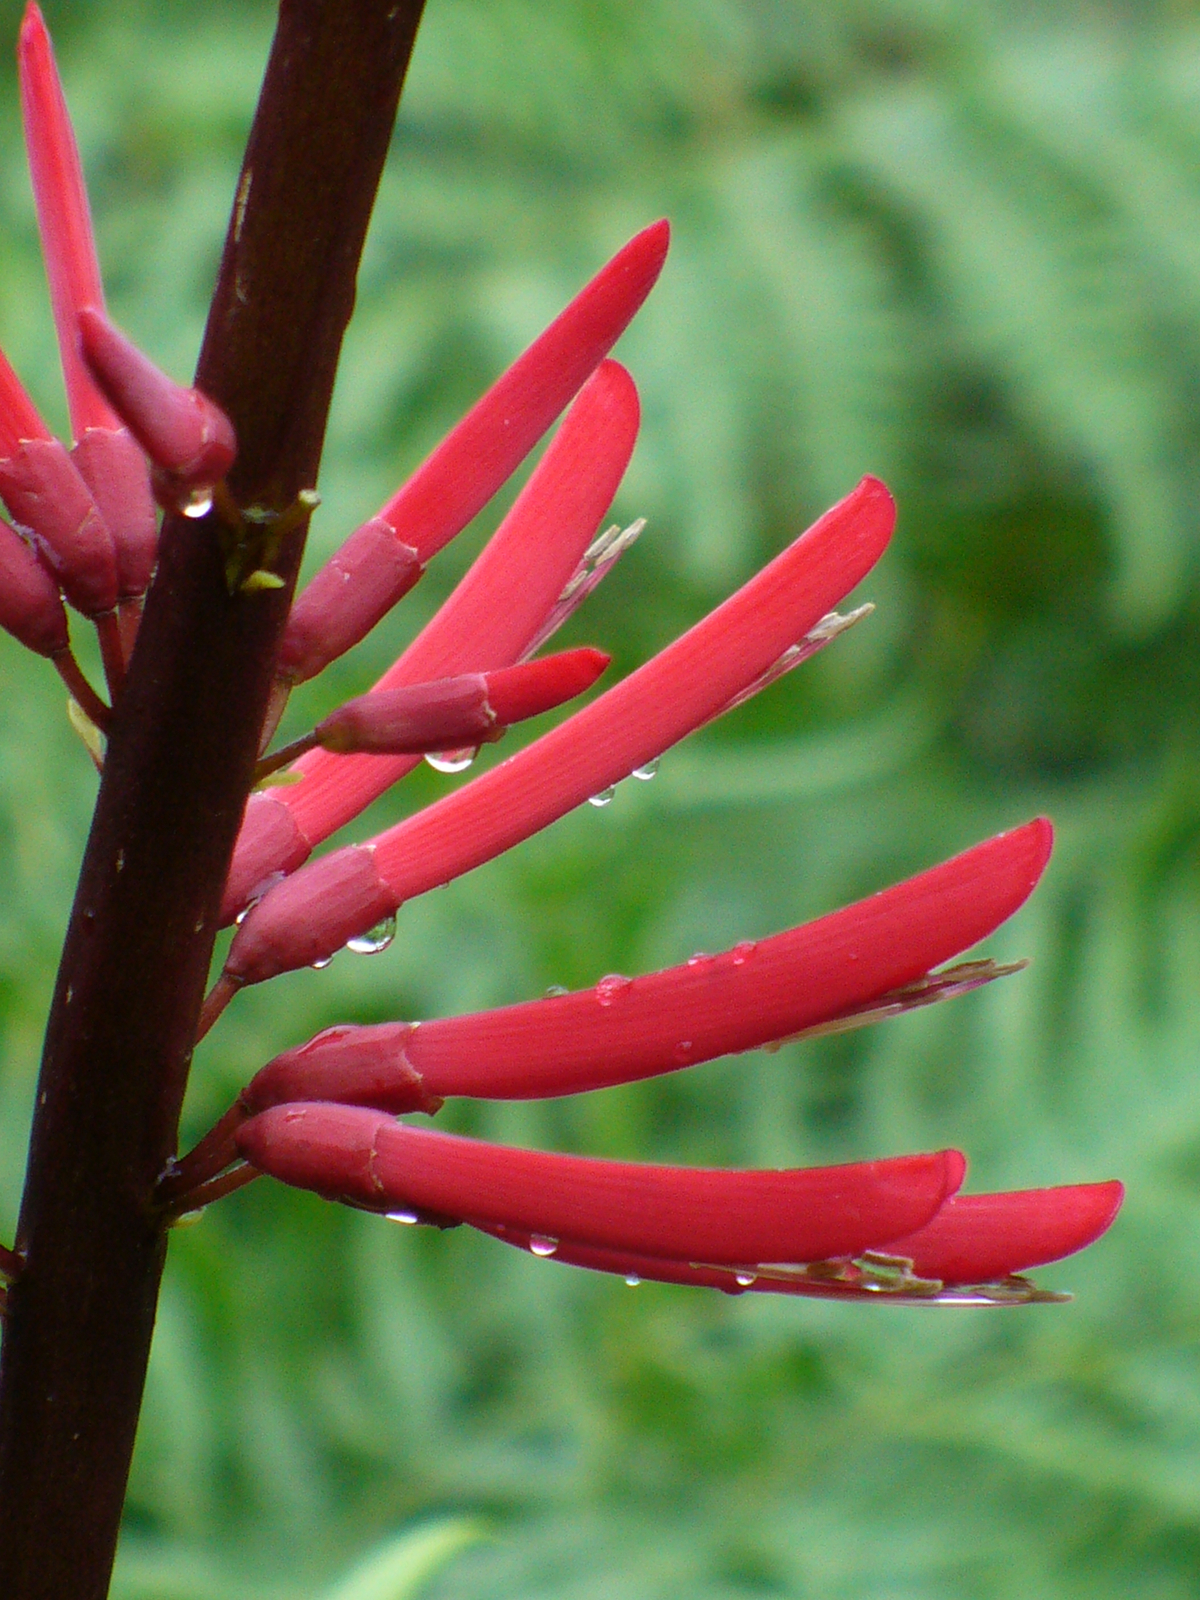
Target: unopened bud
[[31, 608], [454, 712], [187, 437], [46, 496], [114, 469]]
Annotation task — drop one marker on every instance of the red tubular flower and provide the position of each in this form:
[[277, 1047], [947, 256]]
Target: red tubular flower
[[971, 1253], [107, 457], [321, 1116], [625, 1029], [47, 497], [349, 1153], [382, 560], [312, 914], [457, 711], [490, 620]]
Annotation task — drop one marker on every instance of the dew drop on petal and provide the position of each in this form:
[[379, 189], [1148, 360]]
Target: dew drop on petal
[[198, 503], [541, 1245], [742, 951], [632, 1279], [319, 966], [683, 1050], [555, 991], [700, 957], [452, 760], [745, 1279], [645, 773], [375, 939], [407, 1217], [604, 797], [612, 987]]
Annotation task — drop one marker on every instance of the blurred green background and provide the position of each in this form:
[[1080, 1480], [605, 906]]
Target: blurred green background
[[955, 245]]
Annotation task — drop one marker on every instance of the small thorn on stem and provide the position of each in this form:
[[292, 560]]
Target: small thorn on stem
[[218, 997], [81, 691]]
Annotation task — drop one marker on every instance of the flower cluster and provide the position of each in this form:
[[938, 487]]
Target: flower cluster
[[324, 1115]]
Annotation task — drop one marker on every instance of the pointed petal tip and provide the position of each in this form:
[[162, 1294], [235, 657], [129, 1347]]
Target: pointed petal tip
[[33, 27], [613, 384], [956, 1172], [982, 1238]]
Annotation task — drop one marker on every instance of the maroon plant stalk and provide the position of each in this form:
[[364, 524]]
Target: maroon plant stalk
[[180, 758]]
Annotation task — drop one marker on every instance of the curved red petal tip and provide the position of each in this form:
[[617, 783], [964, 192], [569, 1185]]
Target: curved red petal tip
[[483, 450], [184, 433], [677, 1213], [980, 1238], [532, 687]]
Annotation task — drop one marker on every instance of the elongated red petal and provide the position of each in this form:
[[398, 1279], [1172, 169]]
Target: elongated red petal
[[498, 432], [476, 458], [109, 461], [629, 725], [979, 1238], [187, 436], [458, 711], [489, 621], [64, 218], [685, 1213], [30, 606], [627, 1029]]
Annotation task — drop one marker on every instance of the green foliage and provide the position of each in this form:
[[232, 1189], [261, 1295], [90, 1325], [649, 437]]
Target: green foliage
[[955, 245]]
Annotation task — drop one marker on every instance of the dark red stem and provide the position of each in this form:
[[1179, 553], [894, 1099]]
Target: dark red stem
[[180, 756]]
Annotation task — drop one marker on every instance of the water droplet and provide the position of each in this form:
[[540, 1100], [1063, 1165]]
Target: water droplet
[[745, 1279], [699, 957], [375, 939], [742, 951], [541, 1245], [452, 760], [555, 990], [198, 503], [604, 797], [612, 987], [407, 1217], [683, 1050], [644, 774], [632, 1279], [321, 964]]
